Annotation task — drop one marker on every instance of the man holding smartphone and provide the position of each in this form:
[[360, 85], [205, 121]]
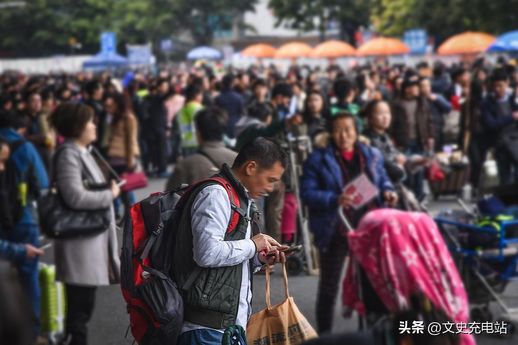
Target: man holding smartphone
[[220, 293]]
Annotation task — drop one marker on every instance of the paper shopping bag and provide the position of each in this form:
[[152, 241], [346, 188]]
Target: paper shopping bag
[[282, 324]]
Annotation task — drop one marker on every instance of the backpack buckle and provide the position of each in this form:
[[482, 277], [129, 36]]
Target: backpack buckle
[[159, 229]]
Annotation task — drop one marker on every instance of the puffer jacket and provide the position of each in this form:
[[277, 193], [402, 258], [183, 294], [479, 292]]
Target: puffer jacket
[[12, 251], [322, 183]]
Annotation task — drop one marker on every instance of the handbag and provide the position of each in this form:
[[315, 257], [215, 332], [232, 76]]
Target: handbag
[[134, 180], [59, 221]]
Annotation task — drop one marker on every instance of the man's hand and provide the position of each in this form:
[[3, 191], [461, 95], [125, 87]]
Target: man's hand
[[32, 251], [272, 259], [265, 244], [391, 198]]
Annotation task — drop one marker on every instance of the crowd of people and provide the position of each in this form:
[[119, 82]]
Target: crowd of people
[[384, 121]]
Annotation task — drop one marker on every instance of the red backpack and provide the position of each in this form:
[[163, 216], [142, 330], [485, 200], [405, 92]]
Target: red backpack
[[153, 299]]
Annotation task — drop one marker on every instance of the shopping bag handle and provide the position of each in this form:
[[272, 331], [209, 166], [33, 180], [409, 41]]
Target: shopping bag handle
[[286, 287]]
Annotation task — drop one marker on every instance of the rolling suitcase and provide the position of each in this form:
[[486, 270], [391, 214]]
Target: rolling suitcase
[[52, 304]]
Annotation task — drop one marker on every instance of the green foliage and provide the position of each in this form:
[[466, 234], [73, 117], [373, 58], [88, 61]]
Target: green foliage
[[443, 18], [204, 17], [44, 27], [313, 15]]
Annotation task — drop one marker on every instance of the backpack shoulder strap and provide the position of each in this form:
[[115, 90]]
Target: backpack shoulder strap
[[235, 204], [236, 213]]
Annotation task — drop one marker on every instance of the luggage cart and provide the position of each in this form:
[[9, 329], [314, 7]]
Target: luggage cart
[[299, 149], [484, 271]]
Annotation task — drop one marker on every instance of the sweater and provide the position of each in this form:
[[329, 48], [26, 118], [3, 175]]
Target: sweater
[[123, 133]]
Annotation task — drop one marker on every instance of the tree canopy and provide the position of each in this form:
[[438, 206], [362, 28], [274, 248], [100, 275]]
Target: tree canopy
[[44, 27], [441, 18], [316, 14]]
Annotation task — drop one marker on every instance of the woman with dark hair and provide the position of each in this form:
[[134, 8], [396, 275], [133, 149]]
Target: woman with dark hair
[[326, 172], [379, 118], [122, 149], [315, 114], [90, 261]]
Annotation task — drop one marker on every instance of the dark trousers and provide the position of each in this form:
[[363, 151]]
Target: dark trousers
[[477, 155], [507, 168], [415, 181], [157, 151], [80, 306], [331, 269]]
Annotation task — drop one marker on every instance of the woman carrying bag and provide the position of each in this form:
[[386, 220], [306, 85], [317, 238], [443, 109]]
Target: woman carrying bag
[[123, 149], [83, 263]]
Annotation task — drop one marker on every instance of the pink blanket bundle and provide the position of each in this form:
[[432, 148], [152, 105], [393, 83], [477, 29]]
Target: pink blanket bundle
[[403, 254]]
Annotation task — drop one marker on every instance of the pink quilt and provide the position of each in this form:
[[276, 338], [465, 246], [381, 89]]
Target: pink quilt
[[403, 254]]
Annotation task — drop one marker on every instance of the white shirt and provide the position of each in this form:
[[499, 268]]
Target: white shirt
[[211, 211]]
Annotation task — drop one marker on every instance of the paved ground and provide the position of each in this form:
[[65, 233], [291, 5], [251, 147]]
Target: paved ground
[[110, 320]]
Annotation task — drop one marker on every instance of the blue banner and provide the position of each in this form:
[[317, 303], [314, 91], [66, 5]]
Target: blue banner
[[140, 54], [108, 43], [416, 40]]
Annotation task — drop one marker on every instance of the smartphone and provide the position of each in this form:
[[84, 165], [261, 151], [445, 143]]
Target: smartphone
[[46, 246], [292, 249], [121, 183]]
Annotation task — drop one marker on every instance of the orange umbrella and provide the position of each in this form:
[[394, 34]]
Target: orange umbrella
[[466, 43], [332, 49], [293, 50], [383, 46], [259, 50]]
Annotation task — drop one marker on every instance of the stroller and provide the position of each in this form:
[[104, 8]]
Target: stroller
[[486, 254], [397, 257]]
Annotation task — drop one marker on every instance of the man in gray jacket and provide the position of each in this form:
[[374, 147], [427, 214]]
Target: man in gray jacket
[[211, 125], [220, 294]]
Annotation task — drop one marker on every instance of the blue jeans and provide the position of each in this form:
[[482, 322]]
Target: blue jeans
[[201, 337], [28, 270]]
